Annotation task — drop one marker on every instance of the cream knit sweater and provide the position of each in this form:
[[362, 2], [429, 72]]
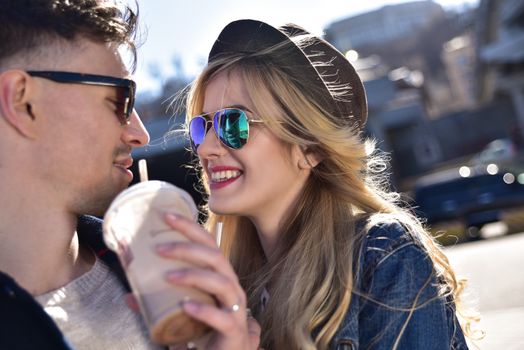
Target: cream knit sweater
[[92, 314]]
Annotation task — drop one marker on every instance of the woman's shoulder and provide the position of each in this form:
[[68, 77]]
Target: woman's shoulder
[[396, 288], [394, 266], [385, 232], [380, 225], [388, 238]]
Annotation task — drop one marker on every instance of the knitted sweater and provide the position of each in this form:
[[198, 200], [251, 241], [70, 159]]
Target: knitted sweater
[[89, 308], [92, 314]]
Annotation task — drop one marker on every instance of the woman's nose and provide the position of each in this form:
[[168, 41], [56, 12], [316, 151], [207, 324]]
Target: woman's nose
[[211, 147]]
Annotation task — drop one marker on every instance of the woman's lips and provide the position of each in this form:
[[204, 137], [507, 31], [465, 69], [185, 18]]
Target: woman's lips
[[222, 176]]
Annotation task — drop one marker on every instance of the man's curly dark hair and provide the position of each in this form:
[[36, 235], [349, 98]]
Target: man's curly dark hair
[[26, 25]]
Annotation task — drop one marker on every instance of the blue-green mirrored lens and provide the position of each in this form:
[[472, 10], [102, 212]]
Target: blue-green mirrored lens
[[232, 127]]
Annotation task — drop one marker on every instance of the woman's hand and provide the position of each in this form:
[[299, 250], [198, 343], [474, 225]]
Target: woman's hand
[[211, 273]]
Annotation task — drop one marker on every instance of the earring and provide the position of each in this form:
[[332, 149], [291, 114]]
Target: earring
[[303, 164]]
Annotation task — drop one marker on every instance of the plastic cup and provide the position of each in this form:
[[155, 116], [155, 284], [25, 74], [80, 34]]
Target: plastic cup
[[133, 225]]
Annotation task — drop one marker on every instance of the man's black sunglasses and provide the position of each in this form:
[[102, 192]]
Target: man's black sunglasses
[[126, 92]]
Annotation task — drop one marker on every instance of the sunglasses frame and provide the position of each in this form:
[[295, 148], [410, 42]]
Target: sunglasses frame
[[210, 120], [97, 80]]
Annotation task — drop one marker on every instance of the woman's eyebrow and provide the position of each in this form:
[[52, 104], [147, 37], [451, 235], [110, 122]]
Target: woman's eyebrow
[[242, 107], [237, 106]]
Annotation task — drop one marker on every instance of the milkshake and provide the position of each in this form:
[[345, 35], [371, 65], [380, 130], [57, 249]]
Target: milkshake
[[133, 226]]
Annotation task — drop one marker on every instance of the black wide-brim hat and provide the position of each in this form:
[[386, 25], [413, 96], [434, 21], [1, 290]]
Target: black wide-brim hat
[[323, 65]]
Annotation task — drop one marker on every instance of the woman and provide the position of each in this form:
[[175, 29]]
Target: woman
[[327, 256]]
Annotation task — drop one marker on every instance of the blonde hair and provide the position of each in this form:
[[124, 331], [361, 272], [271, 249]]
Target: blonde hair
[[310, 274]]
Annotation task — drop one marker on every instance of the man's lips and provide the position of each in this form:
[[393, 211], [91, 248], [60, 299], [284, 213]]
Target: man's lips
[[124, 164]]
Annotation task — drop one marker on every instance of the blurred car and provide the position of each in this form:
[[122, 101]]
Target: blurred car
[[497, 151], [475, 194]]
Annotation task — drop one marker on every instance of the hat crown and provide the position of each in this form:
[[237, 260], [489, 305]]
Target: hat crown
[[333, 80]]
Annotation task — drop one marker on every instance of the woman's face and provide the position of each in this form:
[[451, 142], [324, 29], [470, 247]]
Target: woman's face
[[262, 179]]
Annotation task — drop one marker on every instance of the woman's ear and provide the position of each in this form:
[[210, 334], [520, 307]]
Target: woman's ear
[[309, 159], [15, 98]]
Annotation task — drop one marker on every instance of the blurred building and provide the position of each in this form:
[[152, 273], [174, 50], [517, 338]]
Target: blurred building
[[387, 24], [397, 110], [458, 56], [500, 37], [424, 110], [398, 96]]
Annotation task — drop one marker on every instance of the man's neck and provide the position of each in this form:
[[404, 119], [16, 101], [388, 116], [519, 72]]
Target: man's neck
[[39, 248]]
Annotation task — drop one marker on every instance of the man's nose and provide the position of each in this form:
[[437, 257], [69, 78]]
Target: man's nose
[[135, 133]]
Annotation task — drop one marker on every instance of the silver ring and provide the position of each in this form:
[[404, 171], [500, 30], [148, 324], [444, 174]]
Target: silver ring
[[233, 308]]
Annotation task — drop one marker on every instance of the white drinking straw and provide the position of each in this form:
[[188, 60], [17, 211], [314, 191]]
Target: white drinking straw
[[142, 169], [218, 233]]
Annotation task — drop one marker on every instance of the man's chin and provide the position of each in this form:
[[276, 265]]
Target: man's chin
[[101, 202]]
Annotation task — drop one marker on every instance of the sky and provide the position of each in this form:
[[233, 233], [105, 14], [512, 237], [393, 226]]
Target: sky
[[185, 30]]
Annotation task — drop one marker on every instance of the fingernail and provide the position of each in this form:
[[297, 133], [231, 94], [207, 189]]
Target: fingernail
[[174, 275], [171, 217], [165, 247], [190, 306]]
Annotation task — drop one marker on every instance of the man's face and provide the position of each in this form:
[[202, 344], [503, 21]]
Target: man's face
[[84, 149]]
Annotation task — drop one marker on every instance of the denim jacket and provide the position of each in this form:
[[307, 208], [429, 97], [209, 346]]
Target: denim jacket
[[393, 274]]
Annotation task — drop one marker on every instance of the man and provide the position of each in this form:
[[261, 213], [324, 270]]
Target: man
[[67, 128]]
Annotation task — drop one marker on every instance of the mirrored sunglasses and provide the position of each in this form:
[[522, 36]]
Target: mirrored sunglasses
[[231, 126]]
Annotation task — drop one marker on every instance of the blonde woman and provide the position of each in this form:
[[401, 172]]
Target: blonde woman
[[327, 257]]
